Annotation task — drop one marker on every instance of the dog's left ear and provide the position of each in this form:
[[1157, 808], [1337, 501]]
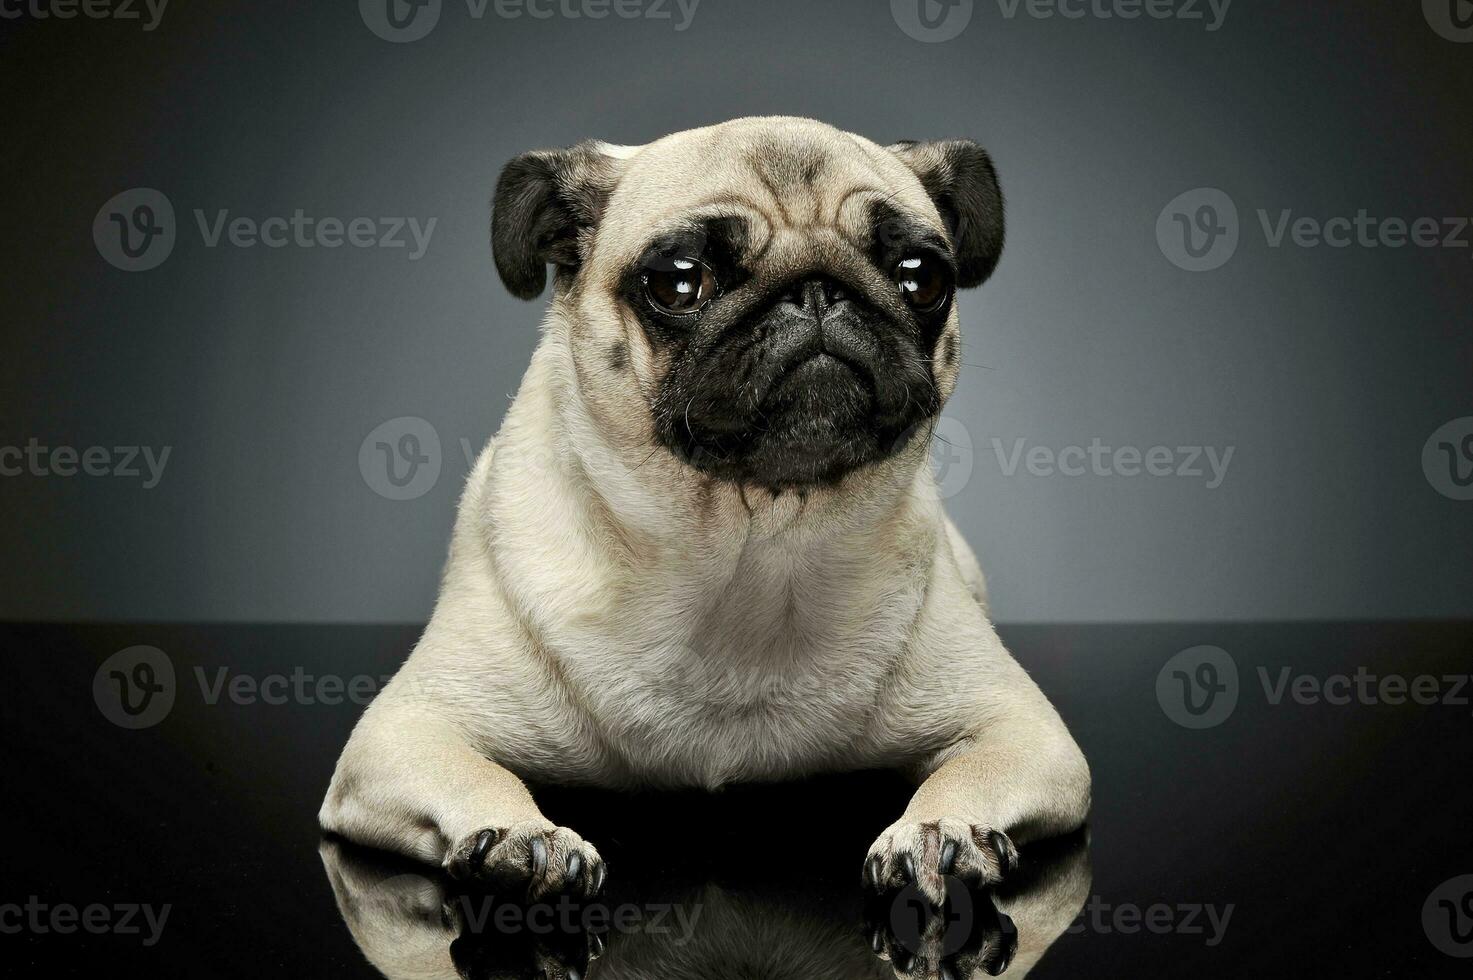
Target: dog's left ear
[[959, 176], [548, 204]]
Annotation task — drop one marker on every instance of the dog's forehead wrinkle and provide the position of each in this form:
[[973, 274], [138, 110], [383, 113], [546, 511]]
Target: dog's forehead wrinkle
[[777, 158], [786, 163]]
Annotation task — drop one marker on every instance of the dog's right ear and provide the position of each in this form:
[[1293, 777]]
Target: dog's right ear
[[548, 204]]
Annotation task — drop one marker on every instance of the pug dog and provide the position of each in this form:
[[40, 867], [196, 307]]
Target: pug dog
[[706, 546]]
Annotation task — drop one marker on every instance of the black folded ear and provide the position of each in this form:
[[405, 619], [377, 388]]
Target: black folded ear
[[547, 205], [959, 176]]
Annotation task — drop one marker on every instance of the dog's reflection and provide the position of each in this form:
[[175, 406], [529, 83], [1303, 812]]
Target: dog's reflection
[[975, 934], [410, 922]]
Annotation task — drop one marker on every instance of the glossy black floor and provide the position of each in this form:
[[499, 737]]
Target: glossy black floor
[[1296, 836]]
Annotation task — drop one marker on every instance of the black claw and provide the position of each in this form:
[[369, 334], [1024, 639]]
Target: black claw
[[877, 940], [600, 872], [1004, 960], [947, 973], [1007, 946], [872, 871], [597, 942], [484, 842], [905, 962], [1007, 856], [539, 857], [908, 867], [948, 857], [575, 866], [573, 973]]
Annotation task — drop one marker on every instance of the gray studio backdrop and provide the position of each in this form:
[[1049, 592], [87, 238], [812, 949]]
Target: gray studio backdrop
[[1222, 372]]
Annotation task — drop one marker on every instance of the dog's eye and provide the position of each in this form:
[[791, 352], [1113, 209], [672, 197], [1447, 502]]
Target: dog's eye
[[925, 283], [679, 286]]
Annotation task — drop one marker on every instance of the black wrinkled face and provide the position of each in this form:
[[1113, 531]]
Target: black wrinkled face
[[793, 372]]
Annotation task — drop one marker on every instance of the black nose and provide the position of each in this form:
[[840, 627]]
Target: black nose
[[815, 296]]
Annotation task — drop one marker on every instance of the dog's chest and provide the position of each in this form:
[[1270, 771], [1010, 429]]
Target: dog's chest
[[756, 688], [708, 713]]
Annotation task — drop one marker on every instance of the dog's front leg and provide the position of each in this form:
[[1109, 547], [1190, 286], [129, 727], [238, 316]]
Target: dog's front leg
[[410, 782], [1017, 779]]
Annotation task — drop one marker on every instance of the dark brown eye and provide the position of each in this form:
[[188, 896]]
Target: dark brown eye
[[679, 286], [924, 283]]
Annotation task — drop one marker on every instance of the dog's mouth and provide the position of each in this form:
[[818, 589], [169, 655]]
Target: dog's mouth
[[808, 422], [822, 380]]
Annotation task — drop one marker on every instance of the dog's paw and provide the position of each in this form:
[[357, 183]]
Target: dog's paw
[[534, 859], [923, 853]]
